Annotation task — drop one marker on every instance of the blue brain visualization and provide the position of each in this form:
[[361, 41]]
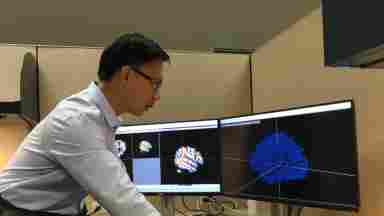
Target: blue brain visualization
[[278, 159]]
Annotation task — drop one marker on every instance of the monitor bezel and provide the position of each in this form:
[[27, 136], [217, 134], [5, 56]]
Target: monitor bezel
[[303, 203], [220, 157]]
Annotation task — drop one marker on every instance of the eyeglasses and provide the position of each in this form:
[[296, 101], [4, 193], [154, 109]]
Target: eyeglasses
[[155, 84]]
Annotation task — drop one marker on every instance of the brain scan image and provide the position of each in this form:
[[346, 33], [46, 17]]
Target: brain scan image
[[275, 155], [121, 147], [188, 159], [145, 146]]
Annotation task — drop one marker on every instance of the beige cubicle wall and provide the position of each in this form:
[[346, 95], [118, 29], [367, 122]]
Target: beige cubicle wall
[[10, 67], [64, 71], [12, 128], [289, 71], [196, 85], [203, 85]]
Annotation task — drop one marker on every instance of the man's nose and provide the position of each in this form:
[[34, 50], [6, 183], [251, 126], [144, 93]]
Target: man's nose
[[156, 98]]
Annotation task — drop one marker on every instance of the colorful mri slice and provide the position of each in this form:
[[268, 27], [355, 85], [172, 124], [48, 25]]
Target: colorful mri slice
[[188, 159]]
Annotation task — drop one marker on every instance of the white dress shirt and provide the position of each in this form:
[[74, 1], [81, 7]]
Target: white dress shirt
[[71, 153]]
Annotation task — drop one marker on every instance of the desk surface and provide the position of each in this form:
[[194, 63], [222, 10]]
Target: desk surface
[[106, 214]]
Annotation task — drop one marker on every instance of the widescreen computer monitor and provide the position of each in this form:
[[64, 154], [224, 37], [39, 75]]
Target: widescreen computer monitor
[[172, 158], [304, 156]]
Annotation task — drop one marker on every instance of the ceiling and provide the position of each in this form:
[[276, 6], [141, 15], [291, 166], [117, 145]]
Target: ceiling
[[186, 25]]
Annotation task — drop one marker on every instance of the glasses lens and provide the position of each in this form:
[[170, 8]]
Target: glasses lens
[[156, 88]]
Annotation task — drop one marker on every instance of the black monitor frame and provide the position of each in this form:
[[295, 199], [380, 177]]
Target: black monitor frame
[[303, 203], [219, 156]]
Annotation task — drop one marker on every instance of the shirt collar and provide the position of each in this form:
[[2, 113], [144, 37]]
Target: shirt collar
[[102, 103]]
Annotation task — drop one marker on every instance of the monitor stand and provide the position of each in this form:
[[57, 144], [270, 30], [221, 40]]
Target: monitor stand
[[167, 205], [285, 210]]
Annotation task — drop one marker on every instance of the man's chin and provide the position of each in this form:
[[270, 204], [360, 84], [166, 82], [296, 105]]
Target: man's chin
[[136, 113], [141, 113]]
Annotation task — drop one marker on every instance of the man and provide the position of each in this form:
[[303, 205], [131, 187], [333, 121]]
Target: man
[[70, 153]]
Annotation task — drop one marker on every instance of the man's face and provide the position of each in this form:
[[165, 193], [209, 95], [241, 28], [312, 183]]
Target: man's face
[[141, 89]]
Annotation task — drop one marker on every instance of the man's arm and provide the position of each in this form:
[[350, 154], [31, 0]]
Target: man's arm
[[80, 147]]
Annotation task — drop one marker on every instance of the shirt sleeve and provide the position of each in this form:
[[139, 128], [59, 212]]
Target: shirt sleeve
[[78, 143]]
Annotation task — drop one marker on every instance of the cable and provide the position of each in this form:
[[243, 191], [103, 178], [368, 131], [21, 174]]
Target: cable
[[180, 212], [294, 210], [98, 208], [234, 204], [239, 213], [215, 207], [167, 204], [190, 209]]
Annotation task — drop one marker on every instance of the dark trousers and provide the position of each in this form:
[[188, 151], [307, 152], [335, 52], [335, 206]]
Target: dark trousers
[[7, 209]]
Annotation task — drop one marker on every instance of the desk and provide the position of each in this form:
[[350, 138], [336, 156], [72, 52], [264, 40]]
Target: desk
[[106, 214]]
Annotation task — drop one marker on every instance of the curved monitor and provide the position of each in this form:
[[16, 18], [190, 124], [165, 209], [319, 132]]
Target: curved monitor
[[304, 156], [172, 158]]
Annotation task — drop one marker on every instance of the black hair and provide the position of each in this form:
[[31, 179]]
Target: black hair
[[132, 49]]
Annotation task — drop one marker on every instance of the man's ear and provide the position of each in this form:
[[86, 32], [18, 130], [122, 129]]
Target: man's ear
[[125, 72]]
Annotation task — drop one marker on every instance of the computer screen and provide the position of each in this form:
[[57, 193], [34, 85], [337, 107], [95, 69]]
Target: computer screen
[[305, 156], [176, 157]]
